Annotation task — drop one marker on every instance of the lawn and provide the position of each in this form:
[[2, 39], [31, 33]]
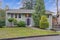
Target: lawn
[[21, 32]]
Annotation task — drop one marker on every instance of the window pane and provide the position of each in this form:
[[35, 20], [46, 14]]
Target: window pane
[[11, 15], [15, 15], [19, 15], [29, 15], [25, 15]]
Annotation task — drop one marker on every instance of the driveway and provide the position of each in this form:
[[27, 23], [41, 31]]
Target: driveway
[[42, 38]]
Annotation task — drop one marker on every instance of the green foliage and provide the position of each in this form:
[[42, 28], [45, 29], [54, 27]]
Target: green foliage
[[44, 22], [21, 24], [36, 20], [10, 19], [2, 18], [2, 14], [15, 22], [28, 4], [2, 23], [39, 11]]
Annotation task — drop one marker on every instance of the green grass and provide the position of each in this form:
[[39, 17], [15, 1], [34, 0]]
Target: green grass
[[21, 32]]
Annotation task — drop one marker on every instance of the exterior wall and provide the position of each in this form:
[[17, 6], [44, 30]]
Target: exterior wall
[[54, 21], [7, 17], [50, 21], [59, 19], [23, 18]]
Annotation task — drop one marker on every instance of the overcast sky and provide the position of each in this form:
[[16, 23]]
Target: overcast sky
[[16, 4]]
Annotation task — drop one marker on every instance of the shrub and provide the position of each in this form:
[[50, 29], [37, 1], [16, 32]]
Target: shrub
[[15, 22], [44, 22], [2, 23], [36, 20], [21, 24], [11, 20]]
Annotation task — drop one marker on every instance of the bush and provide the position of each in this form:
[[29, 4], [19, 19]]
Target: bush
[[44, 22], [2, 23], [21, 24], [15, 22], [10, 19], [36, 20]]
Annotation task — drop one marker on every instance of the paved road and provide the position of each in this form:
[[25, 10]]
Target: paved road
[[42, 38]]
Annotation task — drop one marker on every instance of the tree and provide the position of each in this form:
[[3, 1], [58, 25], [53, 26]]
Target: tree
[[29, 4], [0, 3], [6, 7], [2, 18], [2, 14], [44, 22], [39, 11], [11, 20], [2, 23]]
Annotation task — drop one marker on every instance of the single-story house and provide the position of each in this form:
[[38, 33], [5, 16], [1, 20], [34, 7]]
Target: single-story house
[[25, 15]]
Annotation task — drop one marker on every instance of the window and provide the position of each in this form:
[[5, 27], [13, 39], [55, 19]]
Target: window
[[8, 14], [25, 15], [28, 15], [11, 15], [15, 15], [19, 15]]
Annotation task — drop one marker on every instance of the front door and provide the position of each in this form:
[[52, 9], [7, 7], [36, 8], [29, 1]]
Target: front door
[[28, 21]]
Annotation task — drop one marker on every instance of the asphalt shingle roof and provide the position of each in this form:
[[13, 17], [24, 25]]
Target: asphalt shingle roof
[[24, 11]]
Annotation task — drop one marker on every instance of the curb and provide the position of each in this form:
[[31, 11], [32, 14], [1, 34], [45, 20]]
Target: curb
[[29, 37]]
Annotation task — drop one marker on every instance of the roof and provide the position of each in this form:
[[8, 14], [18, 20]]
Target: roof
[[24, 11], [49, 12], [19, 11]]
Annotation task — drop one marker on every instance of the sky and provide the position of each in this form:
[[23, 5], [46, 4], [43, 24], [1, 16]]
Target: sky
[[16, 4]]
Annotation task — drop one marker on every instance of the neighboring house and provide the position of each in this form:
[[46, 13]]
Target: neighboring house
[[58, 18], [54, 21], [25, 15]]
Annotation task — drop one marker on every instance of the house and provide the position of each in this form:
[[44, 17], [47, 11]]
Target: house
[[58, 18], [25, 15]]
